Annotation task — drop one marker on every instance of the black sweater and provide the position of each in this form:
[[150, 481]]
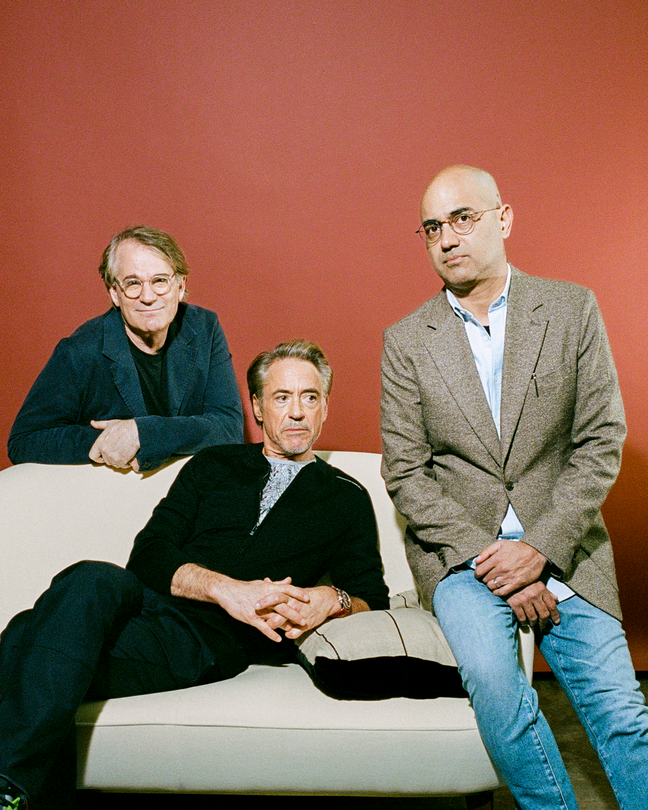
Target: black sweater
[[322, 524]]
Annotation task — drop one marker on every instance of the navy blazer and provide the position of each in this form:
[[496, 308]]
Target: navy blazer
[[92, 375]]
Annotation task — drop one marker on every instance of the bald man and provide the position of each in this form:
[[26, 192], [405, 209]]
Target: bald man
[[502, 429]]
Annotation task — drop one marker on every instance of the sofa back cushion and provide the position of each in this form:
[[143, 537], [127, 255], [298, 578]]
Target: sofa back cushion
[[52, 516]]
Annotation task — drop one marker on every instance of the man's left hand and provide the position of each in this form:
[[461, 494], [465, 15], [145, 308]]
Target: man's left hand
[[535, 604], [508, 565], [117, 444]]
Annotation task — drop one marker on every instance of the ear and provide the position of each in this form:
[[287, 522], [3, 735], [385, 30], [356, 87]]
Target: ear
[[325, 409], [506, 220], [182, 284], [256, 409], [114, 297]]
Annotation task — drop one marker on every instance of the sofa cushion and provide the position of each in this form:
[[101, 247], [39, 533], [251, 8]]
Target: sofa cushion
[[215, 738], [380, 654]]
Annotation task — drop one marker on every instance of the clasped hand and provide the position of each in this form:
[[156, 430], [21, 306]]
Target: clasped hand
[[262, 603], [508, 565], [272, 605], [117, 444], [296, 616], [512, 570]]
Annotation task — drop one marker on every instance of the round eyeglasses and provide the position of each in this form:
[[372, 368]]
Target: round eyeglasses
[[132, 287], [461, 223]]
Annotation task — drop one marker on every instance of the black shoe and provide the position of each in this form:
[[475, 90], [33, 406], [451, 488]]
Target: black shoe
[[10, 797]]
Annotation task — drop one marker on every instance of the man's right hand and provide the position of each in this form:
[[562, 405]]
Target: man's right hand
[[239, 598], [117, 445], [534, 604]]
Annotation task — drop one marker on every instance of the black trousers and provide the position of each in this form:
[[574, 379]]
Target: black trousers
[[96, 633]]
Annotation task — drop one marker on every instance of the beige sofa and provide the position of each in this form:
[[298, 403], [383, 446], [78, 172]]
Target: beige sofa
[[217, 738]]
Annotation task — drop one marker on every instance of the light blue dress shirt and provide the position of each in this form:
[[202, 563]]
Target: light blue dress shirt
[[487, 346]]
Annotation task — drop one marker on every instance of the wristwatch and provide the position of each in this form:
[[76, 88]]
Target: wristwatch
[[345, 602]]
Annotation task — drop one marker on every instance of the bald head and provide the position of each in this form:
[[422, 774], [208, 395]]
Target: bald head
[[473, 264], [480, 181]]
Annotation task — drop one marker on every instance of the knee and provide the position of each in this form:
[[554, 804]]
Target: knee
[[494, 680], [92, 570], [497, 679], [622, 714], [96, 578]]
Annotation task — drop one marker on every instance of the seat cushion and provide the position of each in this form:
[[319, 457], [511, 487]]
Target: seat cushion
[[269, 731]]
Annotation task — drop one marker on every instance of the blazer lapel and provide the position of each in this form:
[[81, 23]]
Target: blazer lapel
[[526, 326], [446, 340], [181, 360], [123, 369]]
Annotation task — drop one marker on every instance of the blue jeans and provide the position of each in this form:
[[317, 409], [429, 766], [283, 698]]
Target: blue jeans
[[589, 656]]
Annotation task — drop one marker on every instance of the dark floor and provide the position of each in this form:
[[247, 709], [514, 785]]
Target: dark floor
[[590, 785]]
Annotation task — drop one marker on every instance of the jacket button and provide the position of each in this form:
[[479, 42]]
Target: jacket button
[[510, 486]]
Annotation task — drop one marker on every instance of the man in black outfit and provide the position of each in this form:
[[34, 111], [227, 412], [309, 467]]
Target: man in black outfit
[[223, 575]]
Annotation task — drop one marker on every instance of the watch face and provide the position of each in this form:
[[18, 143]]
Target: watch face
[[344, 600]]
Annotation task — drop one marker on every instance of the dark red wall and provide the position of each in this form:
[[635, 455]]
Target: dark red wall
[[286, 146]]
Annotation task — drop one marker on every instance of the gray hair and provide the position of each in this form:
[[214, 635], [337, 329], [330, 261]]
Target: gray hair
[[299, 349], [163, 243]]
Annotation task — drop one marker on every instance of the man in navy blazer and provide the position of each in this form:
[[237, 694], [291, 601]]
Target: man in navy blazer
[[147, 380]]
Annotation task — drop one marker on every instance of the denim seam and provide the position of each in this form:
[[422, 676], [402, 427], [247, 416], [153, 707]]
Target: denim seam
[[583, 717], [543, 753]]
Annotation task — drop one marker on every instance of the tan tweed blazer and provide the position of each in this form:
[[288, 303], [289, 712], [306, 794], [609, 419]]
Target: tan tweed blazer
[[562, 429]]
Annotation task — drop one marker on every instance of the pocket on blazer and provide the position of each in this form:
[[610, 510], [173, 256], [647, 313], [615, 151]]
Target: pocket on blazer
[[542, 383]]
